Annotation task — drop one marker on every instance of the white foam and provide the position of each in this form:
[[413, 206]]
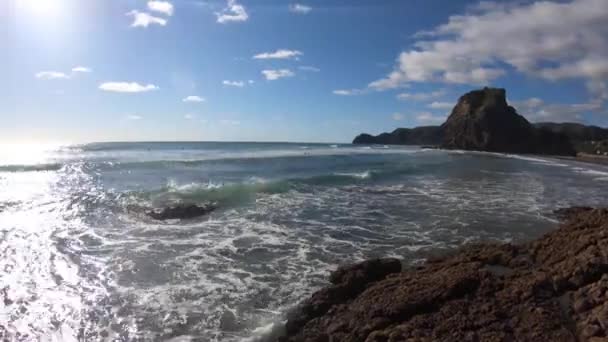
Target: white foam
[[361, 175], [591, 172], [264, 332]]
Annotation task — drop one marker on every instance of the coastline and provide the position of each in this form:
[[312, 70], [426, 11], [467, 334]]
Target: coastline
[[592, 158], [554, 288]]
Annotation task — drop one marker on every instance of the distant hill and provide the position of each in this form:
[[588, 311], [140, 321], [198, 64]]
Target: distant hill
[[425, 135], [483, 121], [575, 131]]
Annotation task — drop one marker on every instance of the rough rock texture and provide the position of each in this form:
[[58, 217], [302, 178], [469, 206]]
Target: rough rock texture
[[552, 289], [181, 211], [425, 135], [483, 121]]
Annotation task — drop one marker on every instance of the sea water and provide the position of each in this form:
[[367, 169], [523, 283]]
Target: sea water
[[80, 259]]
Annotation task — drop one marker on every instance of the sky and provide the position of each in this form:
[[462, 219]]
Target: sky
[[271, 70]]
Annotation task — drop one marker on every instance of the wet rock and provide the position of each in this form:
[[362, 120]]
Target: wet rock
[[571, 212], [551, 289], [347, 282], [181, 211], [365, 272], [228, 321]]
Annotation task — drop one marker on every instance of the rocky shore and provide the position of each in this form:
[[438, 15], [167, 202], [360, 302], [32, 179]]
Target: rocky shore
[[551, 289]]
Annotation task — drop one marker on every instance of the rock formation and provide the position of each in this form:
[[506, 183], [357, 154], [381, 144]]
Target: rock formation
[[181, 211], [552, 289], [483, 121]]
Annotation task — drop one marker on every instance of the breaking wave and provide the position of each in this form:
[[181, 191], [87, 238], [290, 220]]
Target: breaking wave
[[31, 167]]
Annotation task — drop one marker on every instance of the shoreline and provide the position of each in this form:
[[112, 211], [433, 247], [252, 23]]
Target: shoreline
[[554, 288], [592, 158]]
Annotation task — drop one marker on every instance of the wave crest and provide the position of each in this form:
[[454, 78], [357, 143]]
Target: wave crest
[[31, 167]]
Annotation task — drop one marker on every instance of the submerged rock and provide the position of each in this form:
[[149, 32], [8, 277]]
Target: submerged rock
[[181, 211], [552, 289]]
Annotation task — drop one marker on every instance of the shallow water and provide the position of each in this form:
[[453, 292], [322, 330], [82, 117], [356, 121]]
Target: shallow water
[[80, 261]]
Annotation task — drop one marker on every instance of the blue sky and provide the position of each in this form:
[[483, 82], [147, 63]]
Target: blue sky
[[269, 70]]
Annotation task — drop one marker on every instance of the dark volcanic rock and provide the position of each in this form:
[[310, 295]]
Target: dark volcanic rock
[[483, 121], [552, 289], [575, 131], [425, 135], [565, 214], [181, 211], [348, 282]]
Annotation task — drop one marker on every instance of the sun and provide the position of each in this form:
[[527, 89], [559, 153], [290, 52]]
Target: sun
[[41, 8]]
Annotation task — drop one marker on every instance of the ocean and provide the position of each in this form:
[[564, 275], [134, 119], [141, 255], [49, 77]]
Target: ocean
[[80, 259]]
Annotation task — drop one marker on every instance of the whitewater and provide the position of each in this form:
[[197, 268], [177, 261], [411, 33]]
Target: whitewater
[[80, 259]]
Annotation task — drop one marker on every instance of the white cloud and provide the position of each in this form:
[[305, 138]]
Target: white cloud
[[279, 54], [193, 98], [238, 84], [546, 39], [81, 69], [190, 116], [134, 117], [299, 8], [163, 7], [52, 75], [598, 90], [398, 116], [441, 105], [421, 96], [127, 87], [428, 118], [233, 12], [347, 92], [143, 19], [251, 81], [272, 75], [536, 110], [309, 68], [57, 75]]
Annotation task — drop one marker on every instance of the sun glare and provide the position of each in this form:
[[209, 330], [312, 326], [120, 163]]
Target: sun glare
[[41, 8]]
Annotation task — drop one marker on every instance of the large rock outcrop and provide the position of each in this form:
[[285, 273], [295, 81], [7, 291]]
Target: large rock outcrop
[[425, 135], [552, 289], [483, 121]]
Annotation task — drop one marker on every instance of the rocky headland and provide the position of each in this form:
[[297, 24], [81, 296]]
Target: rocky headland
[[551, 289], [482, 120]]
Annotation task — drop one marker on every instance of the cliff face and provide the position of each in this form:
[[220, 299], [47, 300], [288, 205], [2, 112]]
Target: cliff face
[[483, 121], [552, 289], [425, 135]]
